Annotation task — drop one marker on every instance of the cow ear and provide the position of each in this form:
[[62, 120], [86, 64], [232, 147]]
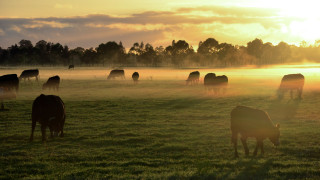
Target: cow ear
[[278, 126]]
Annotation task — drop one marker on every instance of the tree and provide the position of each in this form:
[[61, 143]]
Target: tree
[[255, 48], [111, 52], [89, 57], [208, 47]]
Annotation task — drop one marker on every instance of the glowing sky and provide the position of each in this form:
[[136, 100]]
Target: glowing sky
[[80, 23]]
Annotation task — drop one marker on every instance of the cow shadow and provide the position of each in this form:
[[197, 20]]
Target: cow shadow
[[252, 171], [283, 110]]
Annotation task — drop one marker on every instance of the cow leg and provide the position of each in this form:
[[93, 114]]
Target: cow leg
[[32, 129], [51, 132], [261, 146], [62, 125], [291, 94], [245, 146], [300, 92], [256, 149], [234, 140], [43, 131]]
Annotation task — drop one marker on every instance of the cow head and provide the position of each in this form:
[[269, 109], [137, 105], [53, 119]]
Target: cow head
[[274, 137]]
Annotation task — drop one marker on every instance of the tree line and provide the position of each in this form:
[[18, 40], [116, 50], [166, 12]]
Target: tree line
[[179, 54]]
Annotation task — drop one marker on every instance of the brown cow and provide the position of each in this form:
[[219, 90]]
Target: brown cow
[[291, 82], [53, 82], [135, 77], [9, 82], [49, 111], [30, 73], [193, 78], [255, 123], [116, 73], [71, 66], [215, 83]]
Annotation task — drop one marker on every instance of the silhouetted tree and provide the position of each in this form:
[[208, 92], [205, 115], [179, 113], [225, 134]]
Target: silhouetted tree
[[254, 48]]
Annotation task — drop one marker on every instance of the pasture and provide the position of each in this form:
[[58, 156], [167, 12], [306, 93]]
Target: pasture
[[160, 128]]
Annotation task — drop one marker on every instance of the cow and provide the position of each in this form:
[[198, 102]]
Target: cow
[[255, 123], [53, 82], [9, 82], [193, 78], [30, 73], [215, 83], [49, 111], [71, 66], [291, 82], [135, 77], [116, 73]]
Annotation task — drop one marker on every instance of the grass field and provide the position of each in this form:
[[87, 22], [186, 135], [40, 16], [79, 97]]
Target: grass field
[[160, 128]]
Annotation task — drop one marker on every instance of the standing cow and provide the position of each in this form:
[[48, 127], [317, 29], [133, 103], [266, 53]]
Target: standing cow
[[9, 82], [30, 73], [193, 78], [255, 123], [116, 73], [135, 77], [291, 82], [215, 83], [49, 111], [71, 66], [52, 83]]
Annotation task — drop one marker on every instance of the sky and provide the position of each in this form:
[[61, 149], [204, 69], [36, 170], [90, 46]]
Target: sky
[[89, 23]]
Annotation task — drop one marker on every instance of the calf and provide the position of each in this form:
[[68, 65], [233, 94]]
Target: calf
[[53, 82], [49, 111], [255, 123]]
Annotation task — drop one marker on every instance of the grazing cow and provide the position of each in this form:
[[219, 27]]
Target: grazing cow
[[213, 82], [116, 73], [193, 78], [135, 77], [255, 123], [291, 82], [71, 66], [30, 73], [53, 82], [49, 111], [9, 82]]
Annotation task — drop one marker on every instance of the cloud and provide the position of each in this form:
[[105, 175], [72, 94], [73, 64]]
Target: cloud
[[236, 25], [63, 6]]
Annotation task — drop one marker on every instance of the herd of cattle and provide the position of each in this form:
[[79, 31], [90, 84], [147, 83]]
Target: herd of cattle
[[49, 110]]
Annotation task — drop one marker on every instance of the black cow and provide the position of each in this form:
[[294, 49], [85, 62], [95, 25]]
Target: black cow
[[135, 77], [116, 73], [291, 82], [193, 78], [30, 73], [255, 123], [53, 82], [49, 111], [9, 82], [71, 66], [215, 83]]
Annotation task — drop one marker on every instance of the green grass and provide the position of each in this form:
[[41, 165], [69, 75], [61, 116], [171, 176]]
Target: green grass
[[158, 129]]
